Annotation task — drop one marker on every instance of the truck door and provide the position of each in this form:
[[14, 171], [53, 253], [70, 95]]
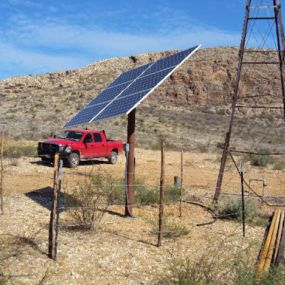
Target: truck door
[[87, 146], [100, 145]]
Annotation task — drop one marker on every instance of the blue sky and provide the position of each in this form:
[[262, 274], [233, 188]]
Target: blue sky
[[38, 36]]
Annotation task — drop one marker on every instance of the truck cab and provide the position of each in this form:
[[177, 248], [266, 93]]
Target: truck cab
[[76, 145]]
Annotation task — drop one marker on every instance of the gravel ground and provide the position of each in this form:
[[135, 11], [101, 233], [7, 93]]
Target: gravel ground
[[122, 250]]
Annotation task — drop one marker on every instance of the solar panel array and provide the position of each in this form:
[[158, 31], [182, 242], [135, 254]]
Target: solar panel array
[[129, 89]]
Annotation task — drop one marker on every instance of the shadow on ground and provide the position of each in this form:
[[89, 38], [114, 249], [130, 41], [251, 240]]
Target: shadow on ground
[[44, 197], [82, 163]]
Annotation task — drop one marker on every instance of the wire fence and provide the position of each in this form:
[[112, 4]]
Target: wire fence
[[195, 187]]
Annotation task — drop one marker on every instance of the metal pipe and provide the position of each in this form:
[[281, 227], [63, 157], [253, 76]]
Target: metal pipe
[[281, 249], [278, 239], [265, 248], [131, 163], [269, 256]]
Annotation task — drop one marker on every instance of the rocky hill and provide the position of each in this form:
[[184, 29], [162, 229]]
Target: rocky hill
[[192, 105]]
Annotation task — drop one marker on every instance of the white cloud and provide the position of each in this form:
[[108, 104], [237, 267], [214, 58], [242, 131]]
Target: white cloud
[[47, 45], [62, 36], [19, 62]]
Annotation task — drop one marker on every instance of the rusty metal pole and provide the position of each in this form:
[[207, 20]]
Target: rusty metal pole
[[280, 44], [131, 164], [234, 101], [53, 212], [281, 53], [161, 195], [2, 172]]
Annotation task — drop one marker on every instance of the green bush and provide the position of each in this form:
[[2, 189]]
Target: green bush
[[232, 209], [212, 269], [262, 159], [17, 151], [245, 275], [89, 201], [279, 165], [173, 229], [144, 194]]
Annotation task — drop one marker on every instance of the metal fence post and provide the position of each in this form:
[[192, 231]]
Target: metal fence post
[[241, 170], [161, 190], [52, 224]]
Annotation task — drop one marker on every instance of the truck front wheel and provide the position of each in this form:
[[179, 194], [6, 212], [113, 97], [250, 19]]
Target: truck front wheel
[[73, 160], [113, 158]]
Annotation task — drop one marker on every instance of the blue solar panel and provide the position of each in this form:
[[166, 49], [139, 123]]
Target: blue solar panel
[[146, 82], [130, 75], [169, 61], [85, 115], [121, 105], [129, 89], [108, 94]]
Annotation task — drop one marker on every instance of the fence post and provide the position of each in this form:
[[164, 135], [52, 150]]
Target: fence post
[[126, 149], [241, 170], [58, 205], [181, 184], [52, 223], [1, 172], [161, 194]]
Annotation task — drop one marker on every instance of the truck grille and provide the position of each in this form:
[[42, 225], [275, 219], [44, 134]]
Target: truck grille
[[47, 148]]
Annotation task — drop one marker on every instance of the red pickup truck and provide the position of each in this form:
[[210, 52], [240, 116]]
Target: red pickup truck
[[76, 145]]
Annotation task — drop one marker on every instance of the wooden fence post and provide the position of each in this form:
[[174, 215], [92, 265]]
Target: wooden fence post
[[53, 212], [181, 185], [161, 194], [1, 172]]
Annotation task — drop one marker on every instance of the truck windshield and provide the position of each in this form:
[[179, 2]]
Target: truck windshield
[[70, 135]]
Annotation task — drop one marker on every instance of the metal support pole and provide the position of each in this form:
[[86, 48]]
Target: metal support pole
[[161, 196], [131, 164], [241, 171], [126, 149]]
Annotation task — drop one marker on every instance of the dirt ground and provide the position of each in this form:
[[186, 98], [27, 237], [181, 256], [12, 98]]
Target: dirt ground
[[122, 250]]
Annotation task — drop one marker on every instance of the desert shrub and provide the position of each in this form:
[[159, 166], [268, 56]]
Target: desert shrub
[[17, 150], [262, 159], [186, 271], [232, 209], [117, 196], [259, 160], [173, 229], [194, 198], [246, 275], [144, 194], [171, 194], [203, 272], [133, 58], [90, 200], [155, 146], [279, 164], [216, 267]]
